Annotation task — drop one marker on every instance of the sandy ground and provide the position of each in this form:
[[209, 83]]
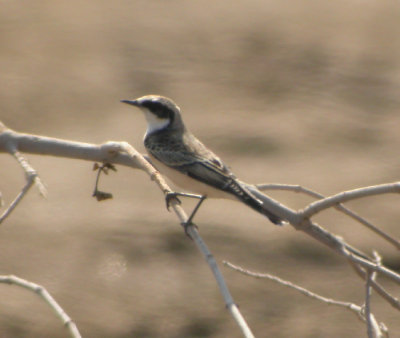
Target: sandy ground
[[306, 93]]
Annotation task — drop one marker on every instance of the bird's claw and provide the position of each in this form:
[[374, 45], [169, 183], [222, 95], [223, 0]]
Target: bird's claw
[[169, 196]]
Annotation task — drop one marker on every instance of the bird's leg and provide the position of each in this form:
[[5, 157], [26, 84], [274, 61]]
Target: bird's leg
[[174, 194], [201, 198]]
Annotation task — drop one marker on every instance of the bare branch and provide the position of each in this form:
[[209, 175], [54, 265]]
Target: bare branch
[[42, 145], [45, 295], [393, 301], [372, 266], [340, 247], [194, 234], [124, 154], [337, 243], [361, 312], [372, 325], [340, 207], [31, 178], [230, 304], [288, 187], [374, 329], [350, 306], [349, 195], [18, 199]]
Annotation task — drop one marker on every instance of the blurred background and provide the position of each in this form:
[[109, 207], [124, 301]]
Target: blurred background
[[302, 93]]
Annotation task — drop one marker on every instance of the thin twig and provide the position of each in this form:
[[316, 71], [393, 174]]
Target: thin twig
[[373, 328], [31, 178], [45, 295], [361, 311], [372, 266], [349, 195], [229, 302], [393, 301], [29, 172], [17, 199], [350, 306]]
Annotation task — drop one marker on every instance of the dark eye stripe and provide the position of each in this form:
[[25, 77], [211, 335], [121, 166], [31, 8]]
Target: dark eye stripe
[[152, 105], [161, 110]]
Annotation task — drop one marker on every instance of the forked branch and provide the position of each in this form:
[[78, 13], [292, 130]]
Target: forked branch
[[124, 154], [374, 329], [339, 206]]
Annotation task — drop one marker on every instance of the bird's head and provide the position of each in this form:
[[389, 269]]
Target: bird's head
[[160, 112]]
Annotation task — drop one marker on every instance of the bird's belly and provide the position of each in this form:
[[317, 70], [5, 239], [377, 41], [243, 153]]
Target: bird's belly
[[187, 183]]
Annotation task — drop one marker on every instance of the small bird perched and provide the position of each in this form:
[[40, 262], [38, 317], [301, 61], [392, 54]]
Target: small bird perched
[[180, 156]]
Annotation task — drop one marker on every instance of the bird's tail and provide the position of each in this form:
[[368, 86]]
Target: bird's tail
[[245, 196], [257, 205]]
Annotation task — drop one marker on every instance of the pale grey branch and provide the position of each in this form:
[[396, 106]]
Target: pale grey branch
[[45, 295], [361, 313], [393, 301], [124, 154], [340, 207], [349, 195], [31, 178], [350, 306], [372, 266]]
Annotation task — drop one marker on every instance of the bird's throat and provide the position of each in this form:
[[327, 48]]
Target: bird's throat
[[155, 124]]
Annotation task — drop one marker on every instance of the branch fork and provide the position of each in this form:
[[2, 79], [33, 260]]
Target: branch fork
[[123, 154]]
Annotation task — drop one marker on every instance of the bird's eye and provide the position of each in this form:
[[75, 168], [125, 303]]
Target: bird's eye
[[217, 162], [161, 110]]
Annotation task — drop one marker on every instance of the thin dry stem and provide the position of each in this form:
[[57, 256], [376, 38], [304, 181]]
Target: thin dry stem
[[374, 330], [393, 301], [349, 195], [372, 266], [17, 199], [367, 307], [350, 306], [49, 300], [361, 312], [31, 178]]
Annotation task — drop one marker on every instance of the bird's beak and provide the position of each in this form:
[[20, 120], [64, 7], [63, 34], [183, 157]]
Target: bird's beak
[[131, 102]]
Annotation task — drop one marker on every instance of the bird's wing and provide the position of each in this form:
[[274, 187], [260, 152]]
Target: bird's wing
[[195, 160], [192, 158]]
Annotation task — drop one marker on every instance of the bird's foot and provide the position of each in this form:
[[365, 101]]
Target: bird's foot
[[174, 195], [171, 195]]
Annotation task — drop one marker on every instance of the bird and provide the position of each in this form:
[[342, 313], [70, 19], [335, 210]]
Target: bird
[[186, 161]]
